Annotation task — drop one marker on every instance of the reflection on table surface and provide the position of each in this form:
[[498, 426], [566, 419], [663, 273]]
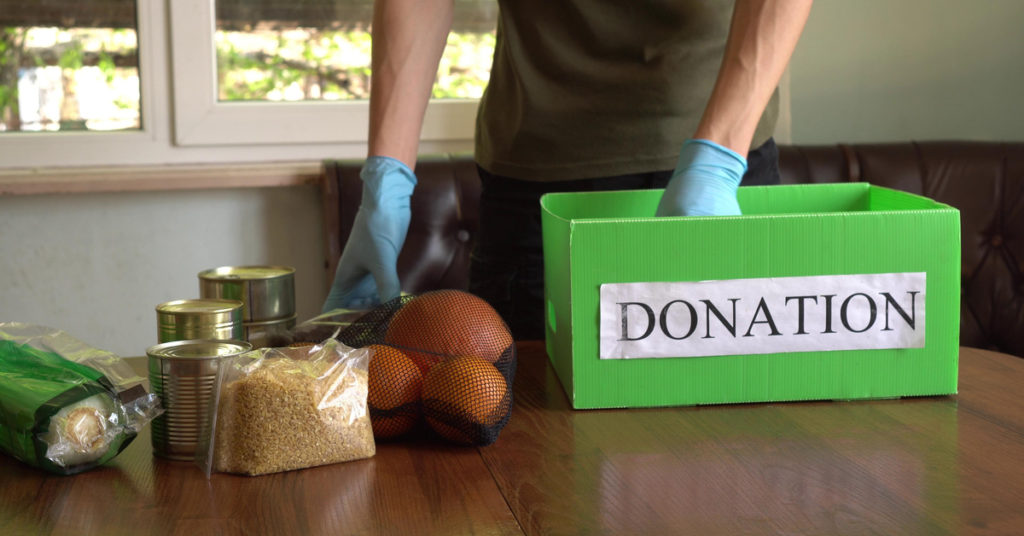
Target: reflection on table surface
[[933, 465]]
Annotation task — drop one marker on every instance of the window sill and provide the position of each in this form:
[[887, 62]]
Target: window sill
[[157, 178]]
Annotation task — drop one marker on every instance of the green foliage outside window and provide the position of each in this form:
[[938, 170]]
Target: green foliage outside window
[[334, 65], [294, 64]]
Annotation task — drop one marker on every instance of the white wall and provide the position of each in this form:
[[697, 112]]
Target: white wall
[[885, 70], [96, 265]]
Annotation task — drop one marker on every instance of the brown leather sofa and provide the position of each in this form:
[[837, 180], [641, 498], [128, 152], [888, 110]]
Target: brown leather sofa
[[985, 181]]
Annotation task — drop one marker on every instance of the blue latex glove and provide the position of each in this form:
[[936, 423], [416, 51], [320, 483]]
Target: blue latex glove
[[367, 272], [704, 182]]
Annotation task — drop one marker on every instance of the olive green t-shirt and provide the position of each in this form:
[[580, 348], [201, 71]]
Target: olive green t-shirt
[[582, 89]]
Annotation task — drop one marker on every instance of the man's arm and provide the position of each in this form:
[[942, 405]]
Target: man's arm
[[409, 37], [761, 40], [711, 165]]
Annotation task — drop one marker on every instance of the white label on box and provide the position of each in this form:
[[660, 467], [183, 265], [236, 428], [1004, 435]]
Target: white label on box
[[762, 316]]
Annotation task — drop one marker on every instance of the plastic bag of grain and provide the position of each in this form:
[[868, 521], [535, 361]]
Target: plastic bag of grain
[[289, 408]]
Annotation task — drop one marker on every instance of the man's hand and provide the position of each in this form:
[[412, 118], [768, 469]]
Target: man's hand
[[704, 182], [761, 40], [367, 272]]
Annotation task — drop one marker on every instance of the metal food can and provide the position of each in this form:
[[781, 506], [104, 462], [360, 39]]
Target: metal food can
[[208, 318], [184, 375], [267, 292], [270, 333]]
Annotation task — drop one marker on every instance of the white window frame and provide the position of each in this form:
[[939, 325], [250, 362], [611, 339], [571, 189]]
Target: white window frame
[[200, 119], [183, 123]]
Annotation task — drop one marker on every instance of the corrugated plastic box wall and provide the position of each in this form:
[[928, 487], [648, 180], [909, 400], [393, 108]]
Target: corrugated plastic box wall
[[792, 230]]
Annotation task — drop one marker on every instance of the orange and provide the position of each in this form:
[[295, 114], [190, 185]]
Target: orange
[[448, 323], [394, 386], [463, 393]]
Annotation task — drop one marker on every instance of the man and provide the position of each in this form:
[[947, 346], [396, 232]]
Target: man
[[584, 95]]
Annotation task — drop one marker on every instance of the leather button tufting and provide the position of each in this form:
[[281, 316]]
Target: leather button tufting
[[997, 240], [462, 235]]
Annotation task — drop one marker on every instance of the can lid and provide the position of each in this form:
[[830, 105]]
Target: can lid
[[198, 348], [246, 272], [200, 305]]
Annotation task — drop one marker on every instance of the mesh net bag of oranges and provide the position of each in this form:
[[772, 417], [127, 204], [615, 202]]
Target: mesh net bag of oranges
[[442, 360]]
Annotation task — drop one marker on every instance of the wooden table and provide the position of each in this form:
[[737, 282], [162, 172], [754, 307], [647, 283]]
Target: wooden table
[[939, 465]]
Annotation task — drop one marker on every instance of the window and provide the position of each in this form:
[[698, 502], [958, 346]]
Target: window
[[215, 81], [67, 68], [204, 117]]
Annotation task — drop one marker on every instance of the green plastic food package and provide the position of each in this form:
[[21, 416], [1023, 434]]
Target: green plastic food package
[[66, 407]]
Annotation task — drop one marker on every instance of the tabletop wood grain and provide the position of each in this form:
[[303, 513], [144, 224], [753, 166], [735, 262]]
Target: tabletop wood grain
[[931, 465]]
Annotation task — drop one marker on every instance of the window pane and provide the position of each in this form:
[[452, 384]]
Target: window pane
[[284, 50], [68, 65]]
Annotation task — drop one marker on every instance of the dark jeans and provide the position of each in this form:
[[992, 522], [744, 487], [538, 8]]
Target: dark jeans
[[507, 265]]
